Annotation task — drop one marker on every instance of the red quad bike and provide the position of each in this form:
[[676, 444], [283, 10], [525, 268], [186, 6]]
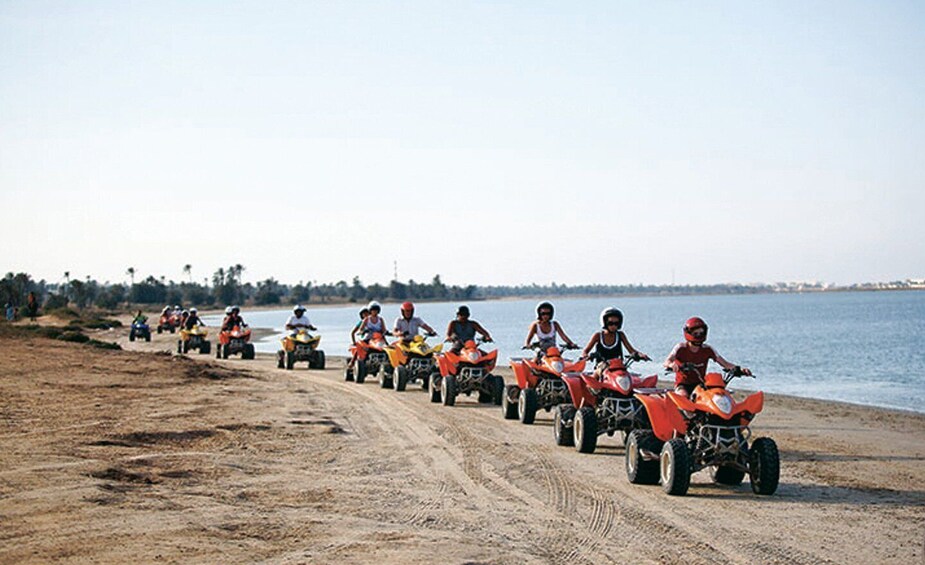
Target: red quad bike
[[372, 359], [709, 431], [235, 341], [539, 384], [602, 405], [464, 373]]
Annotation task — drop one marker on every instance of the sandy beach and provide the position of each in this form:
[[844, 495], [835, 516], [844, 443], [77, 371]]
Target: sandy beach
[[145, 456]]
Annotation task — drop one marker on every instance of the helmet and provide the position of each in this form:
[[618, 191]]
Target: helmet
[[228, 310], [463, 309], [185, 312], [407, 306], [692, 333], [235, 308], [545, 306], [298, 308], [374, 306], [364, 312], [610, 313], [193, 310], [177, 307]]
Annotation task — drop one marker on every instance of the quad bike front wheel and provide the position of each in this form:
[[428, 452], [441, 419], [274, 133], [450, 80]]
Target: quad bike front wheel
[[585, 430], [764, 466], [248, 352], [562, 424], [280, 359], [641, 471], [361, 371], [433, 383], [675, 467], [205, 348], [317, 360], [348, 374], [385, 377], [509, 402], [448, 390], [497, 391], [226, 351], [148, 335], [290, 360], [401, 378], [131, 335], [527, 405]]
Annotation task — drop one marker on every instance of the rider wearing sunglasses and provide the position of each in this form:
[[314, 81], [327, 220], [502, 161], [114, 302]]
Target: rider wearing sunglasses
[[689, 359], [609, 342], [545, 330]]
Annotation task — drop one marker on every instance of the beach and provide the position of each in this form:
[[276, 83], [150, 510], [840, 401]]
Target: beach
[[146, 456]]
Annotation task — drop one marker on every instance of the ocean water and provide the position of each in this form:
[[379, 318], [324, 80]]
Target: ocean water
[[858, 347]]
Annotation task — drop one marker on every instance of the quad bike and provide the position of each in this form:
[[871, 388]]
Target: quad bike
[[414, 361], [140, 330], [539, 384], [372, 359], [194, 338], [300, 346], [235, 341], [709, 430], [601, 405], [168, 322], [464, 373]]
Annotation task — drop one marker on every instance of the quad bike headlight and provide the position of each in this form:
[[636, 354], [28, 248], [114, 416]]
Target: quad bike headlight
[[723, 403], [558, 366], [473, 356], [624, 382]]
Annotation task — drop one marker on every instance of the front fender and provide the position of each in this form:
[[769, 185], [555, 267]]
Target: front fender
[[578, 391], [522, 374], [664, 416]]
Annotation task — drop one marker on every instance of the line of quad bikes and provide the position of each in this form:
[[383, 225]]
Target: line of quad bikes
[[667, 437]]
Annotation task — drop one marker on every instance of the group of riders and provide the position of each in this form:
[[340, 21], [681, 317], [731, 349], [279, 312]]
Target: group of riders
[[688, 359]]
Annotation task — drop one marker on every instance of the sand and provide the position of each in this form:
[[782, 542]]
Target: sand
[[145, 456]]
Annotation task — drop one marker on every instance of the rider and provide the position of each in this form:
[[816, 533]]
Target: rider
[[689, 359], [184, 315], [373, 323], [193, 319], [407, 325], [139, 318], [353, 336], [299, 320], [545, 330], [609, 342], [462, 329], [232, 319]]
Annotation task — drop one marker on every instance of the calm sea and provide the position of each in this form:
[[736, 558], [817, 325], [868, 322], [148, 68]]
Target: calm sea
[[859, 347]]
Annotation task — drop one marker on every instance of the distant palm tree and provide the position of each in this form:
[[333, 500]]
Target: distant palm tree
[[131, 272], [188, 269]]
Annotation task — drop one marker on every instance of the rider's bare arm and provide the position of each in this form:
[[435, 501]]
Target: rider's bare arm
[[561, 332], [631, 349], [530, 334], [672, 362], [478, 327], [591, 342]]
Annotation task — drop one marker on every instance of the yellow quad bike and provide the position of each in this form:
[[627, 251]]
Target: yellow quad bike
[[194, 338], [413, 360], [300, 347]]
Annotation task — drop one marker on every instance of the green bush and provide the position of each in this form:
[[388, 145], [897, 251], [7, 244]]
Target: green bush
[[104, 344], [73, 336]]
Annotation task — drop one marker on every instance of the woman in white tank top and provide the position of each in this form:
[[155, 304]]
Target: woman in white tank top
[[544, 328]]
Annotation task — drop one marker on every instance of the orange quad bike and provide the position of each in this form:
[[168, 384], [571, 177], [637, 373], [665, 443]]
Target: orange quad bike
[[372, 359], [466, 372], [235, 341], [539, 384], [602, 404], [194, 338], [168, 322], [709, 430]]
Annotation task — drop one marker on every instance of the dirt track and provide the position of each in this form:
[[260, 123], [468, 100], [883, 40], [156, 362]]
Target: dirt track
[[126, 456]]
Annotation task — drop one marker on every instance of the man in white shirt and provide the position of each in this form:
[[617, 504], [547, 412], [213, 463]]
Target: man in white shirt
[[299, 320], [407, 325]]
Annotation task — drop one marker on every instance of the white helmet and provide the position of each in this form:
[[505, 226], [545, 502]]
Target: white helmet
[[298, 307], [375, 305], [193, 310], [228, 310]]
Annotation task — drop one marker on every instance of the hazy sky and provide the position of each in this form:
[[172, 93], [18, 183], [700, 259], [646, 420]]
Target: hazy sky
[[501, 142]]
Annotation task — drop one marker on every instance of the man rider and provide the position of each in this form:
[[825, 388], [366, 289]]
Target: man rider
[[299, 320], [232, 319], [407, 324], [193, 319]]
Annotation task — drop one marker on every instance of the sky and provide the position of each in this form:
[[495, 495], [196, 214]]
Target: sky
[[488, 142]]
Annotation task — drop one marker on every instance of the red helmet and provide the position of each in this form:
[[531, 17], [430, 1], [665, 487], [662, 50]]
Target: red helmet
[[695, 330], [407, 307]]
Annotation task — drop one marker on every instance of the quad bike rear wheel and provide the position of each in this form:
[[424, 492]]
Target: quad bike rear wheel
[[562, 424], [764, 466], [727, 475], [317, 361], [385, 377], [348, 374], [675, 467], [433, 382], [497, 393], [280, 359], [148, 335], [226, 351], [205, 348], [509, 402], [448, 390], [401, 379], [641, 471], [185, 347], [131, 335], [585, 430], [180, 346], [527, 405]]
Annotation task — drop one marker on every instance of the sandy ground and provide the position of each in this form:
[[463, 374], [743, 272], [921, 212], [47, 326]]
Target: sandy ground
[[146, 456]]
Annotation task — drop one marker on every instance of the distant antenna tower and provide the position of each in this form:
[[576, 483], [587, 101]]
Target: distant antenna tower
[[395, 270]]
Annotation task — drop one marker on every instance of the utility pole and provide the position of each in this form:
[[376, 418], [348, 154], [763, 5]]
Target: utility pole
[[395, 270]]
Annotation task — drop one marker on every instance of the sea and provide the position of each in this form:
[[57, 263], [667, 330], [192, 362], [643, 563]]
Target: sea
[[856, 347]]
